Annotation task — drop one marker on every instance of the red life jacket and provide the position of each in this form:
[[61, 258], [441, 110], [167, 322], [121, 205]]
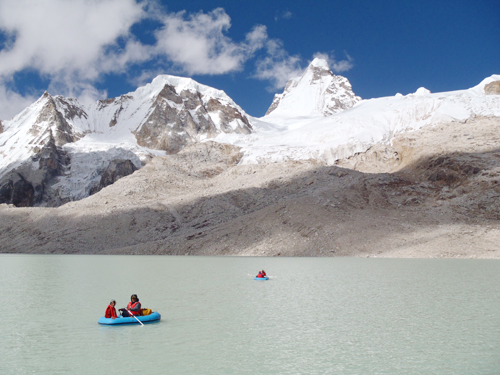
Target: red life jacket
[[110, 312], [260, 274], [131, 305]]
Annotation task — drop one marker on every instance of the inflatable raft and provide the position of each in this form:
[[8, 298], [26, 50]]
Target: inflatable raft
[[262, 278], [151, 318]]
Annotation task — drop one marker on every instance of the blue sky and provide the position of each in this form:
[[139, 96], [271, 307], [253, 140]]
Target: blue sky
[[93, 49]]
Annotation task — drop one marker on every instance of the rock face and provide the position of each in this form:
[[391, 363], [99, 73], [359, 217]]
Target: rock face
[[116, 169], [170, 113], [492, 88], [30, 183], [317, 91], [52, 159], [180, 118], [14, 189], [51, 122]]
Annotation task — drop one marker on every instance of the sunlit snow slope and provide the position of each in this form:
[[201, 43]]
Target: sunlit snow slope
[[279, 136]]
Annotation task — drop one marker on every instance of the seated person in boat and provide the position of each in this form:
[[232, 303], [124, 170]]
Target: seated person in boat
[[263, 273], [134, 307], [110, 310], [260, 275]]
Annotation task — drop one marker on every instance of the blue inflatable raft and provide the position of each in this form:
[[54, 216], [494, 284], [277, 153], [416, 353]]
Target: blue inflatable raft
[[151, 318], [262, 278]]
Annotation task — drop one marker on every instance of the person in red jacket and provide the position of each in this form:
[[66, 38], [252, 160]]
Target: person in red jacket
[[110, 310], [133, 307], [263, 273], [260, 275]]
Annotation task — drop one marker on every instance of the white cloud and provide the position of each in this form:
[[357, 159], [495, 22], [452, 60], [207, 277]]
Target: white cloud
[[12, 103], [55, 36], [256, 38], [277, 66], [66, 42], [278, 72], [283, 15], [85, 91], [336, 66], [197, 43], [73, 44]]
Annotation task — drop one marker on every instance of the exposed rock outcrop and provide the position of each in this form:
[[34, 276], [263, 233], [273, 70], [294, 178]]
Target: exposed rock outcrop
[[16, 190], [379, 158], [52, 159], [179, 119], [51, 120], [492, 88], [116, 169], [231, 119], [30, 183]]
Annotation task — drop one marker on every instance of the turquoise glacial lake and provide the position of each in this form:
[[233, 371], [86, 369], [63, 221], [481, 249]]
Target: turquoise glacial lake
[[314, 316]]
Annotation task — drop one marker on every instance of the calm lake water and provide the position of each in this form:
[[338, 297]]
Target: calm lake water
[[314, 316]]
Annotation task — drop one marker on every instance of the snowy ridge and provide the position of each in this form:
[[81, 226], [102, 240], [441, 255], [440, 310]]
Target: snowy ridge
[[25, 133], [17, 136], [181, 84], [327, 139]]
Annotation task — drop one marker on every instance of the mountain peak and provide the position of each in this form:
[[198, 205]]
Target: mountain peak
[[319, 63], [181, 84], [318, 92]]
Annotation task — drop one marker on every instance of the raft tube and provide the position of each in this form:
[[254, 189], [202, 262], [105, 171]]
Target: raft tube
[[151, 318], [261, 278]]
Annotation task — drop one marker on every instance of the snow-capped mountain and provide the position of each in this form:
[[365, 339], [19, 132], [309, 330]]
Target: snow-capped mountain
[[58, 150], [279, 136], [317, 92], [161, 117], [164, 115]]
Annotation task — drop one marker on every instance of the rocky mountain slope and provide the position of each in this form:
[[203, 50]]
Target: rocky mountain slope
[[433, 193], [57, 150]]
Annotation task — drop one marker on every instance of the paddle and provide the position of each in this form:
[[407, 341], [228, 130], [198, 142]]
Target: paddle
[[135, 317]]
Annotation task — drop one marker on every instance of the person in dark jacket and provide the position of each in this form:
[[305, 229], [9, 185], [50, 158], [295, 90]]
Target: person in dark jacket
[[110, 310], [133, 307]]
